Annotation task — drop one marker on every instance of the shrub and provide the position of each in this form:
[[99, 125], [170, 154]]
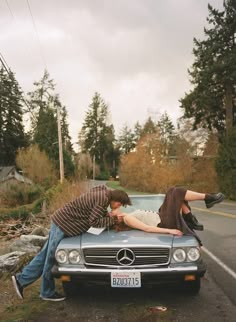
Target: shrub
[[59, 195], [16, 213], [148, 169], [20, 194], [103, 175], [151, 169], [226, 165], [36, 165]]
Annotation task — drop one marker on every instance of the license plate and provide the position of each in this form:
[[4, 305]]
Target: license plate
[[125, 279]]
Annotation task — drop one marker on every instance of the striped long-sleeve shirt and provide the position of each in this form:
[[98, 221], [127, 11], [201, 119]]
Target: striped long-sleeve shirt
[[88, 210]]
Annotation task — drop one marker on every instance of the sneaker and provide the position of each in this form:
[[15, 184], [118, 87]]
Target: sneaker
[[18, 287], [56, 297], [213, 198]]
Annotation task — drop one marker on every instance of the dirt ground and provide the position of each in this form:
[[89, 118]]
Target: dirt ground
[[4, 246], [12, 308], [88, 305]]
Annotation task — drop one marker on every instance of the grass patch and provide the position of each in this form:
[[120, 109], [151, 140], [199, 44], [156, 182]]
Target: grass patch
[[21, 212], [116, 185], [16, 213], [14, 309]]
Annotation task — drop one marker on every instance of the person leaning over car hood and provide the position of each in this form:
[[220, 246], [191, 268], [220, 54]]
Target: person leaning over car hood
[[90, 209], [74, 218]]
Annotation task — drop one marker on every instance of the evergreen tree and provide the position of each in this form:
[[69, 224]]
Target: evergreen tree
[[213, 72], [111, 153], [137, 132], [166, 131], [66, 138], [149, 127], [46, 133], [44, 123], [226, 164], [97, 136], [12, 134], [126, 140], [166, 127], [41, 98]]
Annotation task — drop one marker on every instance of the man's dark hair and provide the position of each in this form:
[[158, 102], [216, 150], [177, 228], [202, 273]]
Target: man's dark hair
[[120, 196]]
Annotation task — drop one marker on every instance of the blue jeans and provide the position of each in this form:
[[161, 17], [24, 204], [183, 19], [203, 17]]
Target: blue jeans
[[42, 264]]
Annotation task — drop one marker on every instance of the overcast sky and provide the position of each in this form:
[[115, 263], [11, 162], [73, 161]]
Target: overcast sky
[[135, 53]]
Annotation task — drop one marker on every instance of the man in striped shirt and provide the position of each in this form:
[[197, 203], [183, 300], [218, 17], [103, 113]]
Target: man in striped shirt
[[90, 209], [76, 217]]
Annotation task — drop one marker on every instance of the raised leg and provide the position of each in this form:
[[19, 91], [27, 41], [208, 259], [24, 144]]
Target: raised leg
[[192, 195]]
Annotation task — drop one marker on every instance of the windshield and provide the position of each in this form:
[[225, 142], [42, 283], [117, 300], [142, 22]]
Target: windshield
[[147, 202]]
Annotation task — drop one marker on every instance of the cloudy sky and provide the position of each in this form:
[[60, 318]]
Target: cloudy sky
[[135, 53]]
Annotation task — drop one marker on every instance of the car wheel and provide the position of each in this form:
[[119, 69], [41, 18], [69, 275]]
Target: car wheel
[[192, 287], [70, 288]]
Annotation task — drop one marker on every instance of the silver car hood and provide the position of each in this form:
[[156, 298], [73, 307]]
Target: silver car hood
[[129, 238], [112, 238]]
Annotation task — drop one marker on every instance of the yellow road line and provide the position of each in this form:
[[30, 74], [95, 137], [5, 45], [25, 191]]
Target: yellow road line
[[215, 212], [230, 203]]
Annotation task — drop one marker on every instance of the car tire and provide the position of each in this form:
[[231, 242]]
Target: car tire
[[70, 288], [192, 287]]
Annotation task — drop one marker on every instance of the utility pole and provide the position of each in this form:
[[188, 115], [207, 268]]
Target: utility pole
[[60, 145], [94, 167]]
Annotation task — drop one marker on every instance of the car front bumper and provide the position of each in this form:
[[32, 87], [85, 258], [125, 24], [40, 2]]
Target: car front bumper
[[148, 275]]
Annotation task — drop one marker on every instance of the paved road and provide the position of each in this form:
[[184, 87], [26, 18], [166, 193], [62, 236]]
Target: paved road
[[219, 240], [108, 305]]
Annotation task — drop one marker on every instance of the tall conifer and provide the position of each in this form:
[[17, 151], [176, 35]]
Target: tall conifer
[[213, 73], [12, 135]]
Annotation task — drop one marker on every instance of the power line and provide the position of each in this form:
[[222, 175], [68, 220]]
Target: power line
[[4, 64], [4, 61], [37, 34], [35, 29], [9, 9], [58, 110], [26, 103], [8, 70]]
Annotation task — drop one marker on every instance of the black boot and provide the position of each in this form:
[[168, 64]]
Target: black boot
[[212, 198], [192, 222]]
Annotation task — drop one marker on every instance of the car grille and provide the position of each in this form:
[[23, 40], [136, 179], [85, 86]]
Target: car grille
[[151, 256]]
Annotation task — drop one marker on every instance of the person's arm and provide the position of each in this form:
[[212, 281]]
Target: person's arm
[[133, 222], [99, 217]]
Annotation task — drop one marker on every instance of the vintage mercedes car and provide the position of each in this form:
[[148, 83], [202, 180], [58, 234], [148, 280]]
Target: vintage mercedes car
[[130, 259]]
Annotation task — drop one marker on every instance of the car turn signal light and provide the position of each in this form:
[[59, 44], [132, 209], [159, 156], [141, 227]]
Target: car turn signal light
[[189, 277]]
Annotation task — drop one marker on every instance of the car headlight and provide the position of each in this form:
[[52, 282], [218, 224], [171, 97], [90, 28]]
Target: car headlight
[[179, 255], [74, 257], [193, 254], [61, 256]]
